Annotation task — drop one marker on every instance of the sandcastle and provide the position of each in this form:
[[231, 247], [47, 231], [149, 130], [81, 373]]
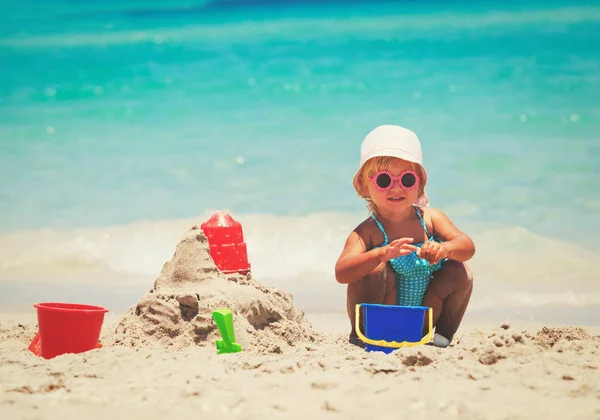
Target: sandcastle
[[177, 312]]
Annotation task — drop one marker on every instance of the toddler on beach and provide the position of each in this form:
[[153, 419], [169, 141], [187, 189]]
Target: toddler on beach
[[404, 253]]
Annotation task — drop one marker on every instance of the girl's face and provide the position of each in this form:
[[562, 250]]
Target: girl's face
[[397, 197]]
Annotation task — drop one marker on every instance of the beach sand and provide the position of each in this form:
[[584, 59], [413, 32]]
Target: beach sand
[[159, 360]]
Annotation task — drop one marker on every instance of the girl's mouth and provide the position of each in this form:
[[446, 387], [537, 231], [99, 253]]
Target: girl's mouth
[[396, 198]]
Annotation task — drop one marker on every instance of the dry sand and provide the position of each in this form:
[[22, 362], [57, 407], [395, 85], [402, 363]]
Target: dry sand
[[160, 360]]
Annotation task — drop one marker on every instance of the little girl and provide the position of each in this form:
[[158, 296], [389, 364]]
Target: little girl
[[404, 253]]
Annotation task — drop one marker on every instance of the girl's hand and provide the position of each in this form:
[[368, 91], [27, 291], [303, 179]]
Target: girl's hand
[[433, 252], [396, 249]]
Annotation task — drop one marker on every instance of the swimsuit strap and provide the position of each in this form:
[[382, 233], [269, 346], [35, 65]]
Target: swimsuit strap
[[385, 241], [418, 210]]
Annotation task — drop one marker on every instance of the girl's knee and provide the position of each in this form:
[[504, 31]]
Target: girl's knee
[[465, 279], [460, 273], [453, 277], [373, 287], [381, 277], [379, 272]]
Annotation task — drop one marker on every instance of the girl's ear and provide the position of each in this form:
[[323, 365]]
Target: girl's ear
[[362, 188]]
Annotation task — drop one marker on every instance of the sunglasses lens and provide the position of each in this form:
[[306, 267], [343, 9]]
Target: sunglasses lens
[[383, 180], [408, 180]]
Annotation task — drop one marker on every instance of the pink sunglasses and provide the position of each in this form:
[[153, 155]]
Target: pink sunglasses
[[384, 180]]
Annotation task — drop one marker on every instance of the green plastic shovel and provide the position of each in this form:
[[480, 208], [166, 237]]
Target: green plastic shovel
[[224, 320]]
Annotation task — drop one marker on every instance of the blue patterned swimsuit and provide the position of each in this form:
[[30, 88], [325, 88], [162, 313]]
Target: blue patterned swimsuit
[[413, 274]]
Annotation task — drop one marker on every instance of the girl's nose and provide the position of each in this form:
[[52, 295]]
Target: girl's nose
[[397, 185]]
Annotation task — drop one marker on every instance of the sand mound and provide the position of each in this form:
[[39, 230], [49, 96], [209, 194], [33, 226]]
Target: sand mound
[[177, 312], [10, 330], [547, 337]]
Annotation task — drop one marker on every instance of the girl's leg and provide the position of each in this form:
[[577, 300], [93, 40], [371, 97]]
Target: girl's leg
[[379, 286], [448, 295]]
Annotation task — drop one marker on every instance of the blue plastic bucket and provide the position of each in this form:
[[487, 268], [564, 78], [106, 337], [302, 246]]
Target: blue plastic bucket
[[392, 323]]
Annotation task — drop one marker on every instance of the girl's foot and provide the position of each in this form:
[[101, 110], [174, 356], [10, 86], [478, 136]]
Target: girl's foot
[[440, 341]]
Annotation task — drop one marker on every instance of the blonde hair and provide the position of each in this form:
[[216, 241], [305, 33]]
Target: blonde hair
[[376, 164]]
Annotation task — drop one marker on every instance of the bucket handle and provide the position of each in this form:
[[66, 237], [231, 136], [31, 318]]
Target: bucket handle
[[393, 344]]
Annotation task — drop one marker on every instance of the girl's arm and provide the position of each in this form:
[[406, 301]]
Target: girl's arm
[[459, 245], [356, 262]]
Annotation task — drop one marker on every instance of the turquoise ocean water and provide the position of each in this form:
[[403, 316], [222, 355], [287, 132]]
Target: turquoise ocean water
[[123, 123]]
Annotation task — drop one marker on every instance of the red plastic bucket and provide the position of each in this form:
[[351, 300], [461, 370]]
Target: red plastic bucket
[[68, 327]]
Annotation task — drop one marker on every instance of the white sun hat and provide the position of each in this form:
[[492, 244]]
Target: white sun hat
[[393, 141]]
